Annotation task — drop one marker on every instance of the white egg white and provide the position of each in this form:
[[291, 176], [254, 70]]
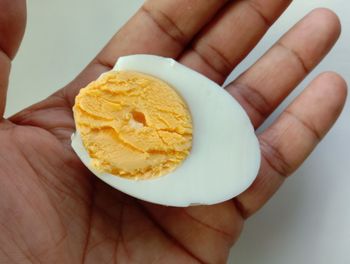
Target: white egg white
[[225, 155]]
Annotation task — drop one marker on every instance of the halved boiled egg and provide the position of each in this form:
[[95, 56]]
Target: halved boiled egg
[[161, 132]]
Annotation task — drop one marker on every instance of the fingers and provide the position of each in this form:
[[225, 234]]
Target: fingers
[[290, 140], [231, 36], [160, 27], [262, 87], [12, 24]]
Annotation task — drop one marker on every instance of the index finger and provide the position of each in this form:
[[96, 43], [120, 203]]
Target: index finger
[[160, 27]]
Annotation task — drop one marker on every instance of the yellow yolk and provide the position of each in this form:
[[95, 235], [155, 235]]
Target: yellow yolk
[[133, 125]]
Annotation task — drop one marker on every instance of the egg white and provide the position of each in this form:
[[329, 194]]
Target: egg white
[[225, 155]]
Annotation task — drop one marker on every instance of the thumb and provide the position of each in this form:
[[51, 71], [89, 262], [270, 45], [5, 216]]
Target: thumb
[[5, 64], [12, 25]]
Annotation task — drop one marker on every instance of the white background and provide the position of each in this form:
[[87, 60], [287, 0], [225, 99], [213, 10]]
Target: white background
[[307, 221]]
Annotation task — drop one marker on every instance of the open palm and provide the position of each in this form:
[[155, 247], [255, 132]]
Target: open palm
[[52, 210]]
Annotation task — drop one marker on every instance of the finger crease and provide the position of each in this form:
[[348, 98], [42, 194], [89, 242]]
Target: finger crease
[[312, 129], [5, 57], [209, 63], [254, 98], [296, 55], [243, 212], [257, 9], [275, 158], [103, 63], [207, 226], [166, 25], [225, 63]]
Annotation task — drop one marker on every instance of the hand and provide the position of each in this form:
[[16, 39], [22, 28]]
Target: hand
[[52, 210]]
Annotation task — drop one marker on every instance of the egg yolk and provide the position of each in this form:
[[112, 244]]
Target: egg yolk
[[133, 125]]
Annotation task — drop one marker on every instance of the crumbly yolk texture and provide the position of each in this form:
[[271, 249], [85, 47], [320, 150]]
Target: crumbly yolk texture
[[133, 125]]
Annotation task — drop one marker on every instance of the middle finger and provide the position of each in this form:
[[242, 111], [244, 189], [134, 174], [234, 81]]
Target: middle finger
[[231, 36]]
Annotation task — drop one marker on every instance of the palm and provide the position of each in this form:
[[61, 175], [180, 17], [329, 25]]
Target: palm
[[63, 201], [53, 210]]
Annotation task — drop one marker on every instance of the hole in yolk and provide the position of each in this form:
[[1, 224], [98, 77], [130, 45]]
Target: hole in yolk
[[139, 117]]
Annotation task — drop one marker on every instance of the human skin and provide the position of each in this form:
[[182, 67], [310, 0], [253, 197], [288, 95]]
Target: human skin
[[53, 210]]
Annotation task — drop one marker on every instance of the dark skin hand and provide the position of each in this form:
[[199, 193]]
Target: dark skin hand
[[52, 210]]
